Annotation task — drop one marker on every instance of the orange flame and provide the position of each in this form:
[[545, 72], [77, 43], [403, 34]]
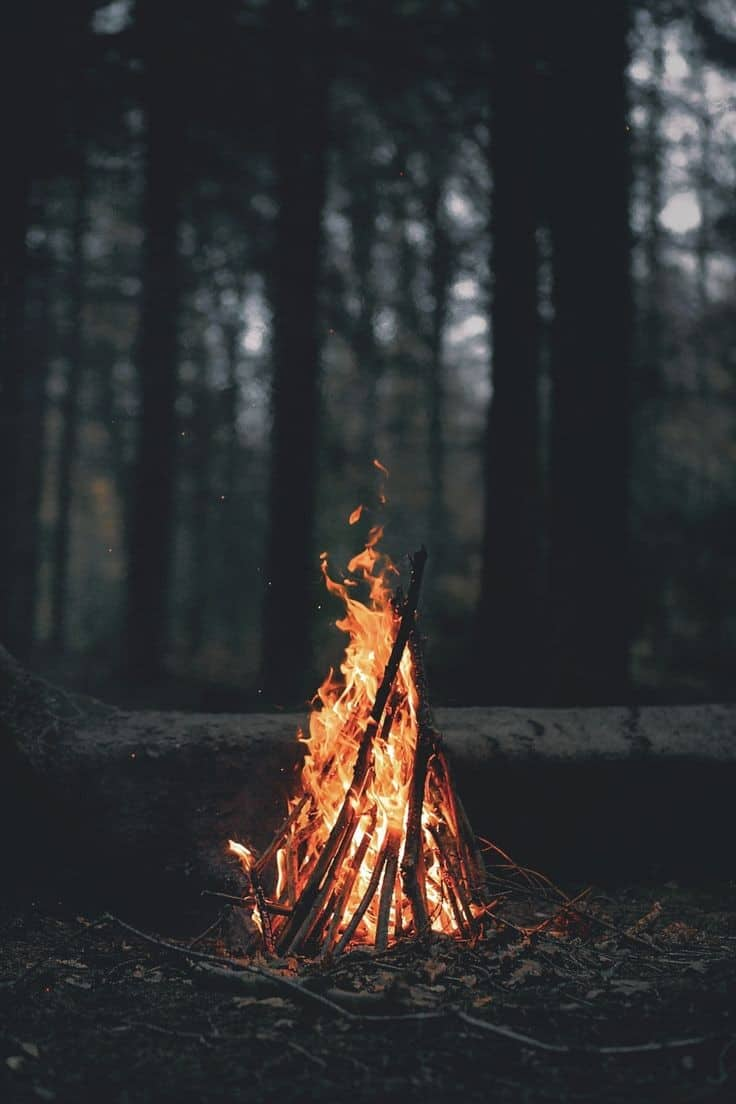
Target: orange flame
[[342, 706], [340, 712]]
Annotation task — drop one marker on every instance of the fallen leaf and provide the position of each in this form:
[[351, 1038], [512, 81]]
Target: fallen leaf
[[275, 1002], [15, 1062], [434, 969], [44, 1094], [479, 1002], [31, 1048], [77, 984], [528, 969], [631, 985]]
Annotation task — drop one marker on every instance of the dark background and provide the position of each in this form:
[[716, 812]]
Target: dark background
[[250, 246]]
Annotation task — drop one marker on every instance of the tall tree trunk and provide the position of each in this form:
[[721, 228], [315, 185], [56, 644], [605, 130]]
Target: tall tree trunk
[[589, 437], [232, 544], [509, 615], [70, 416], [201, 455], [363, 235], [23, 584], [152, 521], [653, 315], [300, 37], [14, 221], [441, 262]]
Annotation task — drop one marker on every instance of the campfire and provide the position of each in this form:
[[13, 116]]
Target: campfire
[[376, 846]]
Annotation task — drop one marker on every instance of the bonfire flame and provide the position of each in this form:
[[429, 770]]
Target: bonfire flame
[[427, 873]]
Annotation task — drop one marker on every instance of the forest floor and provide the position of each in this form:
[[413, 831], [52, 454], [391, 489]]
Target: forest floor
[[633, 1000]]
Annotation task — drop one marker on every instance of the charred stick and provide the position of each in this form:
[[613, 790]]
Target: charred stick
[[275, 843], [248, 903], [260, 897], [292, 869], [316, 915], [444, 800], [363, 757], [393, 841], [454, 879], [398, 899], [447, 887], [460, 822], [368, 896], [348, 883], [426, 737]]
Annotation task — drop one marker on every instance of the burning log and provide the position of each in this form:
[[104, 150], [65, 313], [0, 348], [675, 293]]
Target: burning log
[[384, 836]]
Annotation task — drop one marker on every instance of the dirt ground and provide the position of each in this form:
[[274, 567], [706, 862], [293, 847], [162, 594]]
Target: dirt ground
[[631, 997]]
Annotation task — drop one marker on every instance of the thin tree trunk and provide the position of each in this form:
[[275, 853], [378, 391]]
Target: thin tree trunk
[[29, 474], [589, 439], [300, 40], [15, 182], [441, 262], [365, 347], [232, 544], [653, 294], [509, 615], [70, 417], [201, 454], [152, 524]]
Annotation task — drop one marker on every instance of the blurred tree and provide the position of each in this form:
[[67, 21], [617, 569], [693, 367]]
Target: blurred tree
[[649, 377], [589, 438], [17, 79], [301, 44], [32, 70], [79, 43], [508, 631], [152, 515]]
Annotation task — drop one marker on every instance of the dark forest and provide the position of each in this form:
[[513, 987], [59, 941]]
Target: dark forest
[[277, 275], [250, 247]]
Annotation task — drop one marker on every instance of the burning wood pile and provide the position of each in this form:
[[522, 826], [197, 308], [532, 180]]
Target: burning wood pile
[[377, 846]]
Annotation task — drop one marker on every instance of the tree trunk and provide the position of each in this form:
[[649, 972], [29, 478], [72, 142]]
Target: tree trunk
[[152, 522], [363, 211], [17, 49], [70, 416], [201, 458], [232, 543], [653, 313], [291, 577], [589, 436], [23, 583], [134, 809], [509, 609], [441, 261]]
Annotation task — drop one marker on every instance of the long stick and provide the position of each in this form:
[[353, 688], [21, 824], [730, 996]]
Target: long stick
[[313, 916], [412, 847], [368, 896], [273, 846], [387, 888], [348, 883], [363, 757]]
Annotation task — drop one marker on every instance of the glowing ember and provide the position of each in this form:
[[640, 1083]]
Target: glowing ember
[[376, 844]]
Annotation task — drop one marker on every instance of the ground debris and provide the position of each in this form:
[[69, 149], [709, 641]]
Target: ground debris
[[612, 1009]]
